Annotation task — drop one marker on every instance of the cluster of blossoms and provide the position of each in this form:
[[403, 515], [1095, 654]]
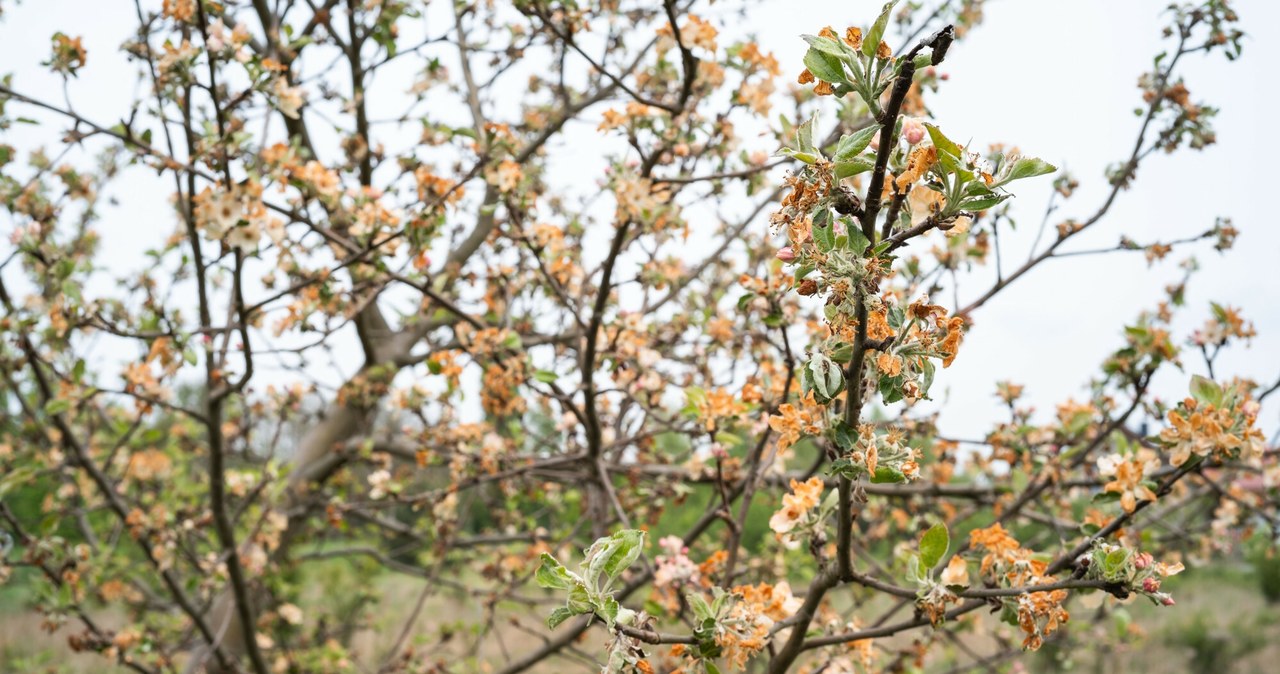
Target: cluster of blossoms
[[1040, 614], [799, 514], [236, 216], [1129, 476], [760, 606], [1134, 571], [695, 33], [69, 54], [675, 574], [1005, 563], [934, 597], [914, 337], [235, 42], [1216, 422], [736, 625], [1148, 345], [506, 368], [674, 567], [146, 378], [858, 656], [756, 93], [882, 457], [715, 407], [1225, 324], [794, 421]]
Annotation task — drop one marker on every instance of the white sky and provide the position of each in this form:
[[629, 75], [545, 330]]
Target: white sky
[[1057, 78]]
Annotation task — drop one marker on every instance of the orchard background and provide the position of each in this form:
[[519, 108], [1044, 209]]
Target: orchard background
[[359, 335]]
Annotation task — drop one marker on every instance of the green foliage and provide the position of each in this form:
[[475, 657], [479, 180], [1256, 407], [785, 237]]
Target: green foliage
[[590, 591], [1264, 556], [934, 545], [1216, 648]]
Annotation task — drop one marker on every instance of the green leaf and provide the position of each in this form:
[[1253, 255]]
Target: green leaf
[[580, 600], [857, 241], [824, 237], [822, 217], [983, 203], [941, 141], [1202, 389], [876, 34], [57, 406], [929, 371], [828, 379], [558, 616], [806, 157], [1219, 312], [546, 376], [1008, 613], [804, 136], [888, 475], [1026, 167], [844, 435], [1115, 559], [827, 45], [854, 143], [853, 167], [933, 546], [891, 389], [915, 568], [1106, 497], [552, 575], [630, 542], [728, 439], [608, 610], [824, 66], [701, 610]]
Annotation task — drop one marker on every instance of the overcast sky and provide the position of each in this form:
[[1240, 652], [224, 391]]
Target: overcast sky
[[1058, 78], [1055, 77]]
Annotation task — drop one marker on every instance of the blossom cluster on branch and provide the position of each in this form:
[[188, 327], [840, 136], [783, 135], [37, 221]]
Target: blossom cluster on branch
[[401, 384]]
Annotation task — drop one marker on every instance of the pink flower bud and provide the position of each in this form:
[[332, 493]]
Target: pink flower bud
[[1151, 585], [1143, 560], [1167, 601], [913, 131], [786, 254]]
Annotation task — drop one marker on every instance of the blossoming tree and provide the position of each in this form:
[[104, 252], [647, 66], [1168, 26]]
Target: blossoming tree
[[683, 399]]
